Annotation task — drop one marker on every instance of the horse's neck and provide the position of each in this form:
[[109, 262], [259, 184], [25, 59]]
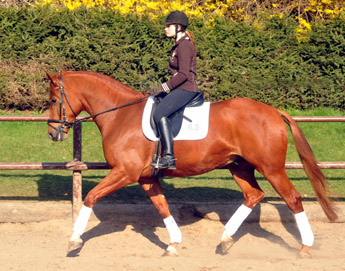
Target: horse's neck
[[95, 103], [98, 98]]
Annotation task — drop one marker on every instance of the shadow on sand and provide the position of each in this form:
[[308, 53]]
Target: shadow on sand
[[143, 218], [131, 206]]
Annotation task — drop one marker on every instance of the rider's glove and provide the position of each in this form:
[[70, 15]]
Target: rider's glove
[[156, 90]]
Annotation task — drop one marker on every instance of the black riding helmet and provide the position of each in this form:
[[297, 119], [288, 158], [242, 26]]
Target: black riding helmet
[[177, 17]]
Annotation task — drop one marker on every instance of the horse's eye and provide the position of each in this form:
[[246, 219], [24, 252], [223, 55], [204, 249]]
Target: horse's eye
[[53, 101]]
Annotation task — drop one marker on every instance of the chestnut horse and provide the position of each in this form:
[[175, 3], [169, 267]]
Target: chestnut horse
[[244, 136]]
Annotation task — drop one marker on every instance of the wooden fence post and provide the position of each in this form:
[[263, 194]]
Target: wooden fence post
[[77, 178]]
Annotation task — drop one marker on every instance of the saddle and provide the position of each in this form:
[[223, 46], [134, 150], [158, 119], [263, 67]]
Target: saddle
[[177, 117]]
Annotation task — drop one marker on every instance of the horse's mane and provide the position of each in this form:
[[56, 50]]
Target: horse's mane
[[107, 80]]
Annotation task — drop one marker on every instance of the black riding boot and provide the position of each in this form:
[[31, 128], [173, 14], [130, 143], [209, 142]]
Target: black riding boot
[[165, 133]]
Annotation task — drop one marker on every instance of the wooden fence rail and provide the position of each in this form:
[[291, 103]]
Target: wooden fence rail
[[77, 166]]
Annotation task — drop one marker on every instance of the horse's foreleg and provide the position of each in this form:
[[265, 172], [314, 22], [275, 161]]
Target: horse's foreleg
[[79, 227], [244, 176], [154, 190], [112, 182]]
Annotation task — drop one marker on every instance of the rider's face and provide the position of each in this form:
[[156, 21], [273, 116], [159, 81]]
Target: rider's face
[[170, 30]]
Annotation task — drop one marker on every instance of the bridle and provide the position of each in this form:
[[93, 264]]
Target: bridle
[[69, 124], [62, 119]]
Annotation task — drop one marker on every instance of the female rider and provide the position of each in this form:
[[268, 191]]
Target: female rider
[[181, 88]]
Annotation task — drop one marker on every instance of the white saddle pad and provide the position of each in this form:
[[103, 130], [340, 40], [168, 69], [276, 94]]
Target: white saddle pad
[[195, 130]]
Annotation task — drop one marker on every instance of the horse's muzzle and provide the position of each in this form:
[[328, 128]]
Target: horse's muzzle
[[58, 135]]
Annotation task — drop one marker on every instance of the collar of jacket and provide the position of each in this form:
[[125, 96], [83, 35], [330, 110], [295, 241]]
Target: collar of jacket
[[184, 37]]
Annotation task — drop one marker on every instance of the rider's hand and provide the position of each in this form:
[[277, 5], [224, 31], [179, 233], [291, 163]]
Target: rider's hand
[[156, 90]]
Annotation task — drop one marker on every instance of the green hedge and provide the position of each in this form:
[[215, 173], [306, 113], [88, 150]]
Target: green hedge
[[262, 61]]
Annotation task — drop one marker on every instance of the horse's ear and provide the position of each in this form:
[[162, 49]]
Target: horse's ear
[[53, 79]]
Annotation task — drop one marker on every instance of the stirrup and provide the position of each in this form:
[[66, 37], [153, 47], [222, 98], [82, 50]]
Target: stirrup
[[167, 161]]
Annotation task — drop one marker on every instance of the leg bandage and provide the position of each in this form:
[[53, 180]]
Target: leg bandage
[[304, 229], [81, 222], [237, 219], [174, 231]]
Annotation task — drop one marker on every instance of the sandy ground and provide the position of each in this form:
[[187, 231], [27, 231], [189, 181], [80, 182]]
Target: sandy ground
[[138, 242]]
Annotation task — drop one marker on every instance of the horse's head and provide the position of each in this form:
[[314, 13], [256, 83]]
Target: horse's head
[[63, 109]]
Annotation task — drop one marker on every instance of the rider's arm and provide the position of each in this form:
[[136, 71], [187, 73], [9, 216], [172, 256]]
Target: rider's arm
[[184, 55]]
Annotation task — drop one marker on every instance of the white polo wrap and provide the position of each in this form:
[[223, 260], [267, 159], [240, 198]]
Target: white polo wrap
[[303, 225], [81, 222], [237, 219], [173, 230]]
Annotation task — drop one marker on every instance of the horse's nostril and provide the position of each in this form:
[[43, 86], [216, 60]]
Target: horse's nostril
[[52, 136]]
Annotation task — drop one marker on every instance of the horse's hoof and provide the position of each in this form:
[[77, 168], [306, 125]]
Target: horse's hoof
[[226, 244], [305, 253], [171, 251], [74, 245]]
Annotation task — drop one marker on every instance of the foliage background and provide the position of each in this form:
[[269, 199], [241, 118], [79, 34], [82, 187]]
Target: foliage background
[[277, 52]]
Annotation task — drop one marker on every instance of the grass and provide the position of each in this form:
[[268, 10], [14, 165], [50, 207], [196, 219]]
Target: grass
[[28, 142]]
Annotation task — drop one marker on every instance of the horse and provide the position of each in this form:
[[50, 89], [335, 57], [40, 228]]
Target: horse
[[244, 135]]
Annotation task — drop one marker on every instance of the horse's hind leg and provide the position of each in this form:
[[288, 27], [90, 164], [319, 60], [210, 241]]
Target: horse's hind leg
[[284, 187], [154, 190], [243, 174]]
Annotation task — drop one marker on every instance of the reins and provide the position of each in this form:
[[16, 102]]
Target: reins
[[63, 120], [111, 109]]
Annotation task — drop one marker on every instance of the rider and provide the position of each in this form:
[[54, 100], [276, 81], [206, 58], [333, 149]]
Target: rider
[[181, 88]]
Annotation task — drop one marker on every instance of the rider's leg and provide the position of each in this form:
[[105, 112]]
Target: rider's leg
[[165, 134], [172, 102]]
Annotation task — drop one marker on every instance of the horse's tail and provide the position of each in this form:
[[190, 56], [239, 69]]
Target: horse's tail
[[311, 168]]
